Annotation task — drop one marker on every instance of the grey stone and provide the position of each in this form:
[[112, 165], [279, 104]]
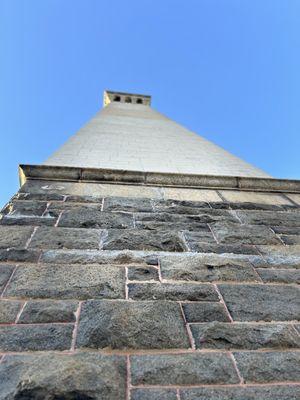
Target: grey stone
[[25, 208], [14, 236], [50, 376], [136, 325], [226, 232], [270, 218], [274, 392], [287, 230], [196, 243], [46, 311], [146, 273], [69, 238], [219, 335], [279, 275], [255, 206], [170, 291], [204, 312], [35, 337], [5, 273], [179, 206], [165, 220], [290, 239], [183, 369], [41, 196], [132, 239], [47, 219], [207, 268], [9, 310], [275, 366], [153, 394], [203, 235], [88, 218], [84, 199], [19, 255], [127, 204], [262, 302], [67, 282]]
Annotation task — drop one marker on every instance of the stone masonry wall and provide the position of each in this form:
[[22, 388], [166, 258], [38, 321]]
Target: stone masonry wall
[[137, 292]]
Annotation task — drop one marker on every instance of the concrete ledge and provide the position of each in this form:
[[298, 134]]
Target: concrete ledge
[[74, 174]]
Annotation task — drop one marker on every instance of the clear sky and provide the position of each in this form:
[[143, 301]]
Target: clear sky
[[227, 69]]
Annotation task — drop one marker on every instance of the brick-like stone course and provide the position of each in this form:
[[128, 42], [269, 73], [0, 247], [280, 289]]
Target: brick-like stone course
[[148, 293]]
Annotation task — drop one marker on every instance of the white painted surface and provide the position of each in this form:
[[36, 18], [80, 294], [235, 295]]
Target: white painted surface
[[136, 137]]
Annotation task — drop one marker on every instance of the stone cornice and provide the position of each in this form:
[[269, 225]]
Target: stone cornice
[[75, 174]]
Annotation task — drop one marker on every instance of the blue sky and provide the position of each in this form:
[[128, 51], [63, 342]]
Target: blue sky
[[227, 69]]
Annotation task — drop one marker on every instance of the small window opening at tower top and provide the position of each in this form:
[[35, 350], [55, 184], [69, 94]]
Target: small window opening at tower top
[[127, 99], [139, 101], [117, 98]]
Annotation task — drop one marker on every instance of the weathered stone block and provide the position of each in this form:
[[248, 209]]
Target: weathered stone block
[[262, 302], [9, 310], [270, 218], [197, 244], [84, 199], [136, 325], [69, 238], [165, 220], [25, 208], [14, 236], [275, 366], [83, 376], [204, 312], [153, 394], [206, 267], [19, 255], [127, 204], [48, 311], [86, 218], [182, 369], [279, 275], [5, 273], [179, 207], [35, 337], [143, 273], [274, 392], [67, 282], [132, 239], [170, 291], [218, 335], [290, 239], [226, 232]]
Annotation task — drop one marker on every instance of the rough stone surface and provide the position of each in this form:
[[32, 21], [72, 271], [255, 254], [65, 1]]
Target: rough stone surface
[[9, 311], [170, 291], [274, 392], [269, 366], [183, 369], [143, 273], [262, 302], [67, 282], [208, 268], [23, 208], [14, 236], [123, 324], [131, 239], [50, 376], [218, 335], [35, 337], [65, 238], [204, 312], [5, 273], [279, 275], [154, 394], [245, 234], [270, 218], [48, 311], [127, 204], [85, 218]]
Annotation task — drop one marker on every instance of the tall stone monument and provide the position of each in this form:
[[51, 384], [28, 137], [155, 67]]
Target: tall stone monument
[[141, 261]]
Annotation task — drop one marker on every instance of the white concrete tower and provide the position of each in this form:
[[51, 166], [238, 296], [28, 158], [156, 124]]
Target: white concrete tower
[[127, 134]]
